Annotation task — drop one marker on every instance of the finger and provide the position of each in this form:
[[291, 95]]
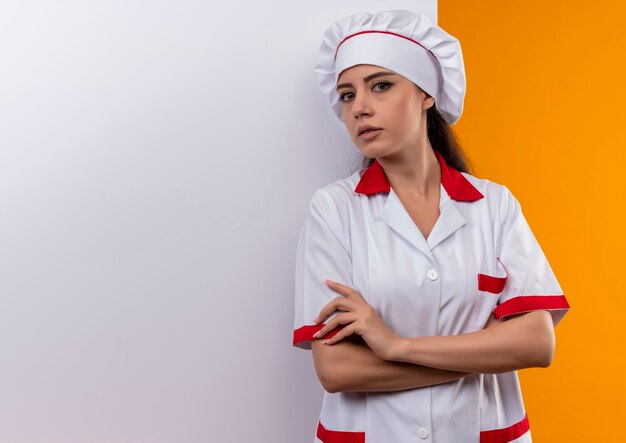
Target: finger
[[338, 303], [339, 287], [339, 319], [345, 332], [344, 290]]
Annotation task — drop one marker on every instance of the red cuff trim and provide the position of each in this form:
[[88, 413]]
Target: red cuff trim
[[526, 303], [306, 332], [505, 435], [328, 436]]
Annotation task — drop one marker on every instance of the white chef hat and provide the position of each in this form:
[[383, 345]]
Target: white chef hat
[[406, 42]]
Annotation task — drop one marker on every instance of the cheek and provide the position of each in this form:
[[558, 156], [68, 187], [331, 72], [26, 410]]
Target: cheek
[[403, 112], [409, 106], [348, 123], [409, 114], [345, 115]]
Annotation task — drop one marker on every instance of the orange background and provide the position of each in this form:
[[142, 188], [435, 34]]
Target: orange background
[[544, 115]]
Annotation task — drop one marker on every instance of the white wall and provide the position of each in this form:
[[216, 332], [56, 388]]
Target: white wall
[[156, 160]]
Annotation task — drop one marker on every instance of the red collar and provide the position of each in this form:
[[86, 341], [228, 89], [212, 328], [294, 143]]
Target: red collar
[[456, 185]]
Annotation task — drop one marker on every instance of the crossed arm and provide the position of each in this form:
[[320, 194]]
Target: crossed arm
[[525, 340]]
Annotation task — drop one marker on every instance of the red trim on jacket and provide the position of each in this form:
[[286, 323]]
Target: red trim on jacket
[[505, 435], [454, 182], [527, 303], [491, 283], [306, 332], [328, 436]]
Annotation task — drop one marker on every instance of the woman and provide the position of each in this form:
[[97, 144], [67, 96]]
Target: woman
[[419, 288]]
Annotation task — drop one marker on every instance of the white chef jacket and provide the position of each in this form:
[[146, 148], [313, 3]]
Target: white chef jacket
[[480, 257]]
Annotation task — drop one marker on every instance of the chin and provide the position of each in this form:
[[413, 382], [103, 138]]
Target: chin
[[371, 152]]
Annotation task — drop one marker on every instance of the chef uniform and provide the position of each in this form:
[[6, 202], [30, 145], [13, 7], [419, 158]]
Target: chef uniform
[[480, 257]]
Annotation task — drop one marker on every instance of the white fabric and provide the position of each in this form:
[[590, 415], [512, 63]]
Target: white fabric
[[370, 243], [517, 249], [412, 46], [398, 54]]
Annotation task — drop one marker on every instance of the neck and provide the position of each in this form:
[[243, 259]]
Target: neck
[[417, 173]]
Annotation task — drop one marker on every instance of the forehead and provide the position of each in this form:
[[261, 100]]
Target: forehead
[[357, 72]]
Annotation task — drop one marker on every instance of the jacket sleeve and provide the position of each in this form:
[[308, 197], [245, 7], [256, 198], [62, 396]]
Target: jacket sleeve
[[530, 282], [322, 253]]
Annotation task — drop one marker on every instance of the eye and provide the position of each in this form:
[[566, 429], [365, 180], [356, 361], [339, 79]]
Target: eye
[[346, 95], [343, 96], [386, 85]]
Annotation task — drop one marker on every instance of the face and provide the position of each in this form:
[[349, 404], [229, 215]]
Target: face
[[378, 97]]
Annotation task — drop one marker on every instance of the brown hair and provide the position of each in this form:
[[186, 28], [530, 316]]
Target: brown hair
[[442, 139]]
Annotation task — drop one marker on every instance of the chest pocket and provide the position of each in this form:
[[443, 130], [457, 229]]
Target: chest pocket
[[489, 286]]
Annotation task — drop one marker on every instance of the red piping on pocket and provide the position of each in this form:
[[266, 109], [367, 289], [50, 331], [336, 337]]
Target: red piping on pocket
[[490, 283], [505, 435], [328, 436]]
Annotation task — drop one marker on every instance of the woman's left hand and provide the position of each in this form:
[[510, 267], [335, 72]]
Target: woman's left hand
[[360, 318]]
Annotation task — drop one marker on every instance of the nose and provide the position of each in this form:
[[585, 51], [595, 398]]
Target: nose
[[361, 105]]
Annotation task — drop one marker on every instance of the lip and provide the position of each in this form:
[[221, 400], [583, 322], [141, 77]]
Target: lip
[[370, 135], [363, 128]]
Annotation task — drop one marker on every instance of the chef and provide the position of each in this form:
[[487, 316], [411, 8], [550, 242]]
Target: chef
[[419, 288]]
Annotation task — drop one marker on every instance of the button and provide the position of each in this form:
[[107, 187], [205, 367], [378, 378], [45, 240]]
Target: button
[[422, 433], [432, 274]]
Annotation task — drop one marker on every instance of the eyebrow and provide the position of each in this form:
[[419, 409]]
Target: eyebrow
[[365, 79]]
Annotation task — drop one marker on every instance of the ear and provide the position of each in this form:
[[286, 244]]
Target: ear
[[428, 102]]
